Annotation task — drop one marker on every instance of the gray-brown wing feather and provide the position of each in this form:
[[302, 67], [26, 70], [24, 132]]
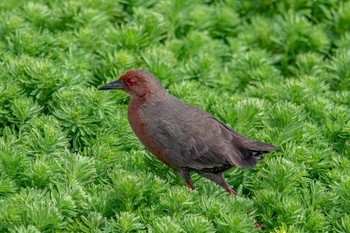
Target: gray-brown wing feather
[[195, 139]]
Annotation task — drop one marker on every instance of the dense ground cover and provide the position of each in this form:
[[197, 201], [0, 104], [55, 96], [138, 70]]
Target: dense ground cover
[[277, 71]]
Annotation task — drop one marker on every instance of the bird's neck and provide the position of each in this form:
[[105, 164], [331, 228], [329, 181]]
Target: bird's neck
[[138, 104], [150, 97]]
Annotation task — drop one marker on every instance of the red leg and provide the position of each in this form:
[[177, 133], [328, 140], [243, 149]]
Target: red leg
[[186, 175], [230, 190], [189, 184], [219, 179]]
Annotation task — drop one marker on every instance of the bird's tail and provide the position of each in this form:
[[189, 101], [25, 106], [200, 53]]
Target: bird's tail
[[258, 149], [251, 152]]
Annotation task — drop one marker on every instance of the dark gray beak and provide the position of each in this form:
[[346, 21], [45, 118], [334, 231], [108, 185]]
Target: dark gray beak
[[113, 85]]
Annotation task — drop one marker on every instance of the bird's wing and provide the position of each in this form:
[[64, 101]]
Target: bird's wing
[[212, 145], [197, 140]]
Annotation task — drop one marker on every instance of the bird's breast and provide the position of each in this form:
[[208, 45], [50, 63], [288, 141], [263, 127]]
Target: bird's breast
[[140, 125]]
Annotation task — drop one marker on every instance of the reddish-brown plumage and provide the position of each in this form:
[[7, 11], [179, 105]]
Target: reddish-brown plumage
[[139, 126], [182, 136]]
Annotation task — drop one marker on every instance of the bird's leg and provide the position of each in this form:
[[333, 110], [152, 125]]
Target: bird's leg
[[228, 189], [219, 179], [186, 175]]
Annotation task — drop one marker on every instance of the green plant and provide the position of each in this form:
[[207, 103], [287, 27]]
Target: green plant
[[276, 71]]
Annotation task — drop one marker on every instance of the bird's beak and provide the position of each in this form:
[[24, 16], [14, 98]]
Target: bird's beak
[[113, 85]]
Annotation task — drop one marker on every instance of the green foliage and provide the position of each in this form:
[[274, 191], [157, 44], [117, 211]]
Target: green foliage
[[197, 224], [339, 72], [44, 136], [276, 71], [127, 222], [24, 109]]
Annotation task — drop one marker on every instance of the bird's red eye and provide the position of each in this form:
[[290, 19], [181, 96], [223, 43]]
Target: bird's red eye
[[130, 81]]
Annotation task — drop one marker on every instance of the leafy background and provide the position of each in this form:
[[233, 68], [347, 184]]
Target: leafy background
[[275, 70]]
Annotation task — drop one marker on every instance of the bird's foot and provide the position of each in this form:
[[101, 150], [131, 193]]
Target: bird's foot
[[258, 226], [231, 191], [190, 185]]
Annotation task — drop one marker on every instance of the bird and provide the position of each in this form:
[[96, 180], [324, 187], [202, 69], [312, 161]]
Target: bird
[[184, 137]]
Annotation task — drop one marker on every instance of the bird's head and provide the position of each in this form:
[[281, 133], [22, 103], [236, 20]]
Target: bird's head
[[137, 83]]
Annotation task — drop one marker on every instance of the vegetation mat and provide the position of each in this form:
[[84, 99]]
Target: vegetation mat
[[275, 70]]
